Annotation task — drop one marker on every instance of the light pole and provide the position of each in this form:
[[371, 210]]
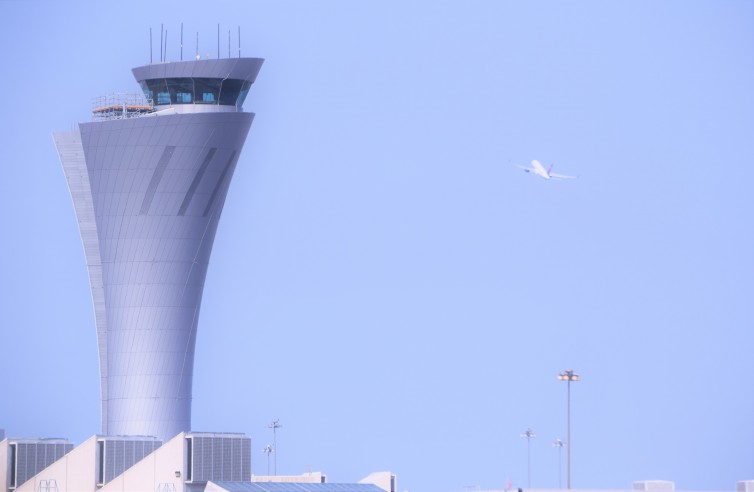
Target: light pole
[[267, 450], [275, 425], [558, 443], [528, 434], [569, 376]]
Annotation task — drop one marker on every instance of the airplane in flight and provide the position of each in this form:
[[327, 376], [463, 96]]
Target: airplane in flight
[[540, 171]]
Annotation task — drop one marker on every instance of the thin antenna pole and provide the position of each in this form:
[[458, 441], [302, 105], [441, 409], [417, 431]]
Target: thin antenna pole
[[218, 41], [150, 45], [162, 32], [239, 41], [181, 41], [197, 45], [228, 43]]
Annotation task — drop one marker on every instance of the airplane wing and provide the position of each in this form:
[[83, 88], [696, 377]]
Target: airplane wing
[[527, 169], [539, 170], [561, 176]]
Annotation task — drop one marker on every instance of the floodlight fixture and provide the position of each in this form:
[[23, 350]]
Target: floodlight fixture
[[528, 434], [558, 443], [568, 376], [267, 450], [275, 425]]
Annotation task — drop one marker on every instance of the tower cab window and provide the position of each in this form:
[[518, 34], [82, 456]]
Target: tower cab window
[[186, 90]]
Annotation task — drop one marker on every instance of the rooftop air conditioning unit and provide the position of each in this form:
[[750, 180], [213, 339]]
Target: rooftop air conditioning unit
[[655, 486], [745, 486]]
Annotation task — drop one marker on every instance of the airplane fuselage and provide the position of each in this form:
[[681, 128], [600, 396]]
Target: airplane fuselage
[[540, 170]]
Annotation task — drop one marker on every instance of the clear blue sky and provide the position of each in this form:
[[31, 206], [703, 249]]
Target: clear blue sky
[[383, 280]]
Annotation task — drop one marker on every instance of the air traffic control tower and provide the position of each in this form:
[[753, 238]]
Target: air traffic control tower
[[148, 178]]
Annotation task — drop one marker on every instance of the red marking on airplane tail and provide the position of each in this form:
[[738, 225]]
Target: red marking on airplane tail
[[549, 169]]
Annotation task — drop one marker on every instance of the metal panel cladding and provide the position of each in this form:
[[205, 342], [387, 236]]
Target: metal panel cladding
[[148, 194]]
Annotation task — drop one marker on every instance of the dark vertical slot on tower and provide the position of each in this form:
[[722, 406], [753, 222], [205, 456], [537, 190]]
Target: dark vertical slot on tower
[[220, 182], [196, 181], [156, 178]]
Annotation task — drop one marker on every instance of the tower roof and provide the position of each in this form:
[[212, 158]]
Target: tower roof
[[224, 68]]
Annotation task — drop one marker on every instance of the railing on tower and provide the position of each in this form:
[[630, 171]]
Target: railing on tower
[[120, 106]]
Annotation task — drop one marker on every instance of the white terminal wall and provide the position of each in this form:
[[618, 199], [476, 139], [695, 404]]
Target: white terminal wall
[[74, 471]]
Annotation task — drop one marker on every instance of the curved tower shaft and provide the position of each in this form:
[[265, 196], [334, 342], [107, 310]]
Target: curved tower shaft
[[148, 182]]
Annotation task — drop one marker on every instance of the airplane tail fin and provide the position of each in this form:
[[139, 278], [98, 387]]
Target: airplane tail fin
[[549, 169]]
